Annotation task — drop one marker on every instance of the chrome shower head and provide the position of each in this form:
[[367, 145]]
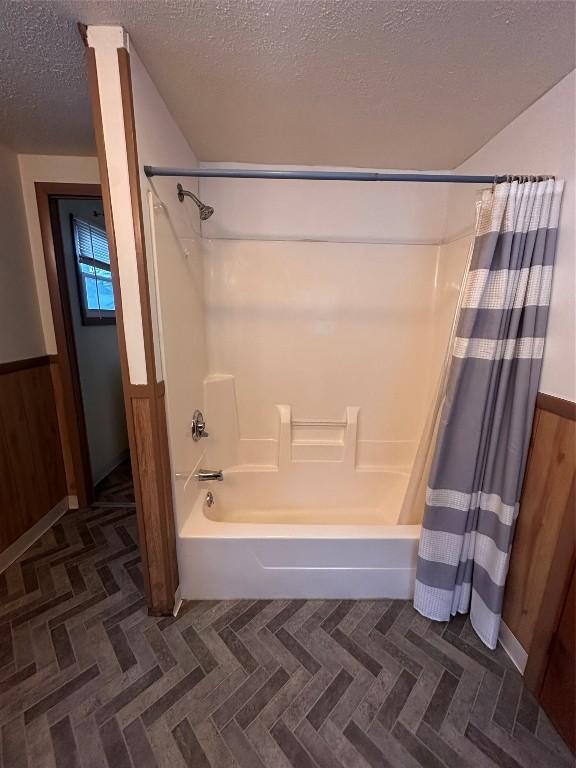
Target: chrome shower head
[[205, 210]]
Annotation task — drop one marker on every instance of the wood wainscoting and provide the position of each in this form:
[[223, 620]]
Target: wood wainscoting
[[31, 461], [544, 554]]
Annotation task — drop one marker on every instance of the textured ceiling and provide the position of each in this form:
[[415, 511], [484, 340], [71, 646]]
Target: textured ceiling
[[411, 84]]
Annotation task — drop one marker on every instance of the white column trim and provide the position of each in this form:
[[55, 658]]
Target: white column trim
[[106, 41]]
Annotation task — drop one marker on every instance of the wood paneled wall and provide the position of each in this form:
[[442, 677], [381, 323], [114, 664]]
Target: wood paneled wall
[[32, 477], [543, 549]]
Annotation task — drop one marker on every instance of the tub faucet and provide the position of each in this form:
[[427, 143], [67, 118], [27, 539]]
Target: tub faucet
[[208, 474]]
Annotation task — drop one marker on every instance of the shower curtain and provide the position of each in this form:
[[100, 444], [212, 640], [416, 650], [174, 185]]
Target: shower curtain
[[484, 432]]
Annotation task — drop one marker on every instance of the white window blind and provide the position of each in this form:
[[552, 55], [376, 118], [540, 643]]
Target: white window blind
[[95, 277]]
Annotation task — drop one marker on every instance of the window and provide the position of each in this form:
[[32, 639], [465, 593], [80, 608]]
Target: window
[[94, 275]]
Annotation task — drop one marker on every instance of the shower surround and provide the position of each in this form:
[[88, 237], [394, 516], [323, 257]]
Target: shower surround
[[313, 349], [298, 514]]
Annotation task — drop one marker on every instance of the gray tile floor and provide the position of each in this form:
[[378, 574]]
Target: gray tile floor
[[88, 679]]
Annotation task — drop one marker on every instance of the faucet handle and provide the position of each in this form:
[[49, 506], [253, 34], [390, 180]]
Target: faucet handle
[[198, 426]]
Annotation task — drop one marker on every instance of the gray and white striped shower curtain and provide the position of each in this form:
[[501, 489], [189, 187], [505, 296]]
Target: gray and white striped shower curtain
[[476, 475]]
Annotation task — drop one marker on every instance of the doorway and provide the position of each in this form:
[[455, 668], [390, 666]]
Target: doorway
[[91, 416]]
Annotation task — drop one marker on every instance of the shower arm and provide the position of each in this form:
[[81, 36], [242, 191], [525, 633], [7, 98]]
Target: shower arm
[[182, 193]]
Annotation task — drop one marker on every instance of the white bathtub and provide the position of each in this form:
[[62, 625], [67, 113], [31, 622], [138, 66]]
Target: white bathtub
[[305, 532]]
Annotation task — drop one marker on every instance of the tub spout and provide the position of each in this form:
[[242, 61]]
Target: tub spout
[[208, 474]]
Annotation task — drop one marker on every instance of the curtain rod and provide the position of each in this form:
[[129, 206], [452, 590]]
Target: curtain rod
[[239, 173]]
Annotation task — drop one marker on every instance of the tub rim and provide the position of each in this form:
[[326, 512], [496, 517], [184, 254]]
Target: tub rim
[[193, 524]]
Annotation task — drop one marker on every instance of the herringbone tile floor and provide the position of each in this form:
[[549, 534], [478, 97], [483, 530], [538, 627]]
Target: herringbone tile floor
[[88, 679]]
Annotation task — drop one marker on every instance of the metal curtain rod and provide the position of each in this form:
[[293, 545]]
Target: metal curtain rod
[[238, 173]]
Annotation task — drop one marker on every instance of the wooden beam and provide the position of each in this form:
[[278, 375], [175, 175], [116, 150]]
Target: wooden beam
[[145, 406]]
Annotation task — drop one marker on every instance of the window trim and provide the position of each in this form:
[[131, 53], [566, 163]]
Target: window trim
[[107, 316]]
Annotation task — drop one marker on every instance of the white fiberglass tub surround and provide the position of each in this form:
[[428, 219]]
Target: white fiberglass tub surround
[[327, 355], [312, 524]]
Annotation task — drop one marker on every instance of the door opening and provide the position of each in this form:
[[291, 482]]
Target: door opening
[[91, 415]]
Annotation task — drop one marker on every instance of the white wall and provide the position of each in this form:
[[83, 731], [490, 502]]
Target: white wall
[[170, 237], [319, 210], [73, 170], [20, 326], [175, 264], [106, 43], [540, 141], [98, 361]]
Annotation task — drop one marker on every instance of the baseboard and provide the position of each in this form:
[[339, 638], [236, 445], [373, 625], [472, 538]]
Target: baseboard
[[17, 548], [177, 601], [513, 648]]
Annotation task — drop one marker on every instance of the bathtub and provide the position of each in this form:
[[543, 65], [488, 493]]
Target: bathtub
[[311, 531]]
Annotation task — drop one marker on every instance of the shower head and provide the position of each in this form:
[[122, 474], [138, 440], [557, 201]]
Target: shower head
[[205, 210]]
